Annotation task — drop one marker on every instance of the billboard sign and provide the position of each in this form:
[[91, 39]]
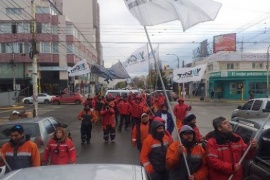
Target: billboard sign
[[225, 42]]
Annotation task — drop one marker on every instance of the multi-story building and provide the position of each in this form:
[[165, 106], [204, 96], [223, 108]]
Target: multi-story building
[[59, 42], [233, 75]]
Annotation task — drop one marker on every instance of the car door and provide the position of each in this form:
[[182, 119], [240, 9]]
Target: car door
[[64, 98], [245, 111], [256, 109], [259, 168], [41, 98], [49, 130]]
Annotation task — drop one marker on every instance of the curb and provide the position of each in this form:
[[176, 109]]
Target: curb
[[11, 107]]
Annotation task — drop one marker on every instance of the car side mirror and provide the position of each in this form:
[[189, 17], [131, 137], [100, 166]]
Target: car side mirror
[[239, 107], [64, 125], [266, 110]]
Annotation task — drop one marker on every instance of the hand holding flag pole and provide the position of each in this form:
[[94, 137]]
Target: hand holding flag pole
[[250, 144]]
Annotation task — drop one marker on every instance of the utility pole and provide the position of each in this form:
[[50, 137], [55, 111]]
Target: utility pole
[[267, 74], [33, 56]]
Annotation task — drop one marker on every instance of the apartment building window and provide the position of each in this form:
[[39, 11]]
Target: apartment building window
[[230, 65], [14, 28], [42, 10], [46, 28], [46, 47], [14, 11], [210, 67], [69, 28], [5, 28], [257, 65], [70, 48], [39, 27], [54, 29], [23, 27], [55, 49]]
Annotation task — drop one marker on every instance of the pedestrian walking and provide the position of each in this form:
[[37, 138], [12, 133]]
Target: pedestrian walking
[[59, 149], [140, 131], [108, 123], [167, 117], [224, 150], [212, 93], [138, 107], [153, 153], [124, 109], [180, 111], [20, 152], [190, 120], [195, 156], [86, 116]]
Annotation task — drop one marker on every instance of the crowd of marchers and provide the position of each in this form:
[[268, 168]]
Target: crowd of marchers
[[191, 156]]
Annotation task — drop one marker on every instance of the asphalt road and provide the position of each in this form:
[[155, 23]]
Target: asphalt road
[[121, 151]]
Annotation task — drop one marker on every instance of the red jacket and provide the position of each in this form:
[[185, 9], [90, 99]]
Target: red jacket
[[180, 111], [222, 157], [124, 107], [66, 152], [108, 117], [137, 109], [144, 132]]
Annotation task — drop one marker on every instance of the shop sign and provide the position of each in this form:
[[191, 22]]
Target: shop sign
[[237, 74]]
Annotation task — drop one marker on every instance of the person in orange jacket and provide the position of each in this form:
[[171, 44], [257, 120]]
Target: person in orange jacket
[[20, 152], [87, 116], [153, 153], [138, 107], [124, 109], [195, 155], [224, 150], [59, 149], [108, 123], [190, 120], [180, 111], [140, 132]]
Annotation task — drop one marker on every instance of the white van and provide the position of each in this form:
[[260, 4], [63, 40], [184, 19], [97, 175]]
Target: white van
[[122, 92]]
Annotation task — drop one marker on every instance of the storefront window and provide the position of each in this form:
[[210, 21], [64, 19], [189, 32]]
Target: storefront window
[[257, 88]]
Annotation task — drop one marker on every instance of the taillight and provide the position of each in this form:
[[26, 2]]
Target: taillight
[[39, 142]]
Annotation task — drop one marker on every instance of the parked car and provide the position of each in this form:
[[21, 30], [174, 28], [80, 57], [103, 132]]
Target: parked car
[[40, 130], [259, 167], [81, 171], [42, 98], [171, 95], [254, 108], [122, 92], [68, 98]]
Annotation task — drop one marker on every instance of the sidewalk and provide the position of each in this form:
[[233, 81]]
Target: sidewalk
[[207, 99]]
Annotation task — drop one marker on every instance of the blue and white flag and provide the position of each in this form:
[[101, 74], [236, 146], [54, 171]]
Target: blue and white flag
[[183, 75], [80, 68]]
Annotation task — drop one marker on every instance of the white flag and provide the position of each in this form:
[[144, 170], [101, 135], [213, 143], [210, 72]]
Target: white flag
[[189, 12], [138, 62], [80, 68], [184, 75]]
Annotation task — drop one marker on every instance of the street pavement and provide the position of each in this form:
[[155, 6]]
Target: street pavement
[[121, 151]]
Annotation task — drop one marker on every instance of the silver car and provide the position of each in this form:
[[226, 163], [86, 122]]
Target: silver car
[[80, 171]]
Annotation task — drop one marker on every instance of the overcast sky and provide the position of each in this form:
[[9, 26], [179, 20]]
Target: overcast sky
[[121, 33]]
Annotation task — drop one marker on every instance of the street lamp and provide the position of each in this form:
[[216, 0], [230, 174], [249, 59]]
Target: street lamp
[[267, 74], [178, 83], [12, 62]]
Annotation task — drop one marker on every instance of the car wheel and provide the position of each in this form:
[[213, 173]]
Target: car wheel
[[26, 101], [56, 102], [77, 102], [46, 101]]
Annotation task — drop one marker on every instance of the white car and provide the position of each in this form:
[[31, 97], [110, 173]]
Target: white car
[[42, 98]]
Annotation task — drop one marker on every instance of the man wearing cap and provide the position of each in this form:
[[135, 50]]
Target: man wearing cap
[[20, 152], [153, 153], [180, 111], [224, 150], [195, 155], [190, 120], [140, 132]]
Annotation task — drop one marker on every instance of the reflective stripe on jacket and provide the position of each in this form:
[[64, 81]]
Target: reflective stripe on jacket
[[27, 155], [196, 162], [66, 152]]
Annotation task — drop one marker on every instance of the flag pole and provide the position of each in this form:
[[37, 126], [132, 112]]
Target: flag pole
[[166, 96], [249, 146]]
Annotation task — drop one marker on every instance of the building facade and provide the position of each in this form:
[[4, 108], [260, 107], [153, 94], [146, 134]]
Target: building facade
[[233, 75], [59, 42]]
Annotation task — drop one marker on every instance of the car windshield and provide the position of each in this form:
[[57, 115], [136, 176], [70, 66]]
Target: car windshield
[[29, 129]]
